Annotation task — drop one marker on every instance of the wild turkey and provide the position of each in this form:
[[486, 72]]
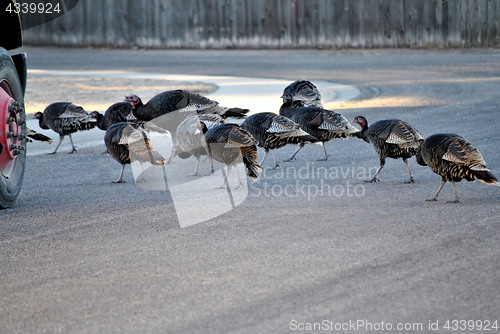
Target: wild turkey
[[168, 109], [302, 93], [275, 131], [37, 136], [127, 142], [121, 112], [117, 113], [454, 159], [190, 138], [227, 143], [65, 118], [322, 124], [391, 138], [302, 104]]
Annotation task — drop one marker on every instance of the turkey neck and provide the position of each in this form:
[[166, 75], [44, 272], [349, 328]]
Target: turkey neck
[[287, 104], [137, 108], [100, 121], [419, 157], [364, 132], [287, 109], [42, 124]]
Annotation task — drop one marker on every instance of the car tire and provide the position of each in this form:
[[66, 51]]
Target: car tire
[[12, 165]]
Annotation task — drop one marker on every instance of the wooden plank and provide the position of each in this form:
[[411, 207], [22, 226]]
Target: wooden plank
[[274, 24]]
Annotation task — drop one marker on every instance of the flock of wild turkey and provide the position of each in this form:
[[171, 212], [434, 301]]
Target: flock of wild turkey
[[198, 127]]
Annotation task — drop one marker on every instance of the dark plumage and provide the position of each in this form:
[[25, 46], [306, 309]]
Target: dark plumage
[[121, 112], [391, 138], [454, 159], [320, 123], [170, 108], [117, 113], [65, 118], [302, 104], [275, 131], [37, 136], [229, 143], [300, 93], [127, 142], [190, 138]]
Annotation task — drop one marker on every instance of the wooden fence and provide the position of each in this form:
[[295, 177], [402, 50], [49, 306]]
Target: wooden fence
[[274, 24]]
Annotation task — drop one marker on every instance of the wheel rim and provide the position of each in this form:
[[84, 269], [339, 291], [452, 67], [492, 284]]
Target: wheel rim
[[11, 133]]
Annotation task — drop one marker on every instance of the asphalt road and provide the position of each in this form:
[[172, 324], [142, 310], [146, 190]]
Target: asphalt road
[[309, 243]]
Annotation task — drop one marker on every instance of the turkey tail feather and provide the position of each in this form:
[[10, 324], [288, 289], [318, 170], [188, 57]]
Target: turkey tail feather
[[486, 176], [156, 158], [143, 151], [253, 168], [39, 137], [249, 155], [309, 138], [235, 112], [87, 125], [356, 134]]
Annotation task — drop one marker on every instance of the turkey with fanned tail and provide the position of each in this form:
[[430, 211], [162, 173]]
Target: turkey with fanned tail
[[65, 118], [454, 159], [274, 131], [230, 144], [391, 138], [127, 142]]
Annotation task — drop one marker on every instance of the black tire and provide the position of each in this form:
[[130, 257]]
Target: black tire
[[11, 185]]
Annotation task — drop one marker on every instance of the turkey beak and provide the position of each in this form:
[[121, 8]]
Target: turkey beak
[[286, 98]]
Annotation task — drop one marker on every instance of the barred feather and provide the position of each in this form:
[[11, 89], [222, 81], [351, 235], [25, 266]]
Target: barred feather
[[303, 90], [38, 136], [275, 131], [230, 144], [323, 124], [128, 142], [167, 110], [391, 138], [249, 155], [65, 118], [455, 159]]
